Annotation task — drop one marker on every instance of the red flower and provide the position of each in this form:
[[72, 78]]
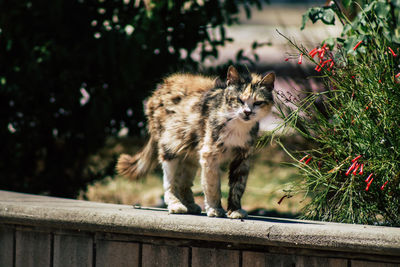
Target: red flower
[[368, 185], [391, 51], [397, 75], [383, 186], [303, 158], [361, 169], [300, 58], [355, 47], [286, 59], [322, 54], [356, 158], [355, 169], [307, 161], [351, 168], [313, 52], [330, 66], [369, 178], [326, 61]]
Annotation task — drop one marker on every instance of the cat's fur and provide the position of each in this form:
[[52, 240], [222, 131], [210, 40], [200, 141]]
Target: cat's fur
[[194, 120]]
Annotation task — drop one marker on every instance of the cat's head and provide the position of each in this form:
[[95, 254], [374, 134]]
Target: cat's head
[[248, 96]]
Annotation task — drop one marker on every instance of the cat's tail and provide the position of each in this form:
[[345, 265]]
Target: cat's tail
[[134, 167]]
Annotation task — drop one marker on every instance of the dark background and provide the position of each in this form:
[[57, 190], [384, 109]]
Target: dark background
[[53, 53]]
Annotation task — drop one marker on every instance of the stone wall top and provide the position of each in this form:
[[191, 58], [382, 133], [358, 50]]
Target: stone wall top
[[34, 210]]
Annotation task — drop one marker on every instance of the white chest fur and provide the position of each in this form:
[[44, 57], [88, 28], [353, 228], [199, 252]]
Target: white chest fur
[[236, 133]]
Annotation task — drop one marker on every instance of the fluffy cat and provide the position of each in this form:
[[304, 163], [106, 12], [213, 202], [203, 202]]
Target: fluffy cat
[[194, 121]]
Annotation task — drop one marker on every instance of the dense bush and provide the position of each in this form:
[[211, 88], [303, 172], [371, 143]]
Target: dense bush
[[353, 172], [74, 72]]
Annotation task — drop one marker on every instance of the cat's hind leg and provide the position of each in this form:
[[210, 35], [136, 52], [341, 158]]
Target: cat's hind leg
[[171, 186], [186, 175]]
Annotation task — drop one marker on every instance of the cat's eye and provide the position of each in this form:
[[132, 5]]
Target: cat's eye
[[259, 103], [240, 100]]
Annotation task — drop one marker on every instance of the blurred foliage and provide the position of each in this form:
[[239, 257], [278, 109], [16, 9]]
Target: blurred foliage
[[75, 72], [362, 20]]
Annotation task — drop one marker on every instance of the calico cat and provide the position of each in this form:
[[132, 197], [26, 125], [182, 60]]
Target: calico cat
[[196, 120]]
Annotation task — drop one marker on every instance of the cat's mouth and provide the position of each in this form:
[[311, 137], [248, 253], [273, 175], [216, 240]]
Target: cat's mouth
[[246, 117]]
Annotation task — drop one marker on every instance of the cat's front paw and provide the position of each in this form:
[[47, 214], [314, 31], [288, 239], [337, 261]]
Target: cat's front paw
[[237, 214], [193, 208], [216, 212], [177, 208]]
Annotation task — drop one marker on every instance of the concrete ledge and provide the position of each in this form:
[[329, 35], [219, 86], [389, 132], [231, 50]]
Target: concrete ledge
[[41, 211]]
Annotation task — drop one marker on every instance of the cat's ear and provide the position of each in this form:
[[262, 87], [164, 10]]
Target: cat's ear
[[268, 80], [233, 76]]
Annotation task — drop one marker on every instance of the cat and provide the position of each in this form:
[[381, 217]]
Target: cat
[[197, 120]]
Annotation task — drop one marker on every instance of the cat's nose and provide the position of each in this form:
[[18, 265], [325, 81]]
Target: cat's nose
[[247, 112]]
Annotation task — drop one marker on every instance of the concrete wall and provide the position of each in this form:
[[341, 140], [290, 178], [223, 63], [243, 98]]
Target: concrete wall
[[45, 231]]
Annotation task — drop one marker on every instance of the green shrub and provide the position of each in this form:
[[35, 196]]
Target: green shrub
[[358, 121]]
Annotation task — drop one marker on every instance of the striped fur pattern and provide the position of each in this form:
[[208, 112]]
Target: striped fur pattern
[[195, 121]]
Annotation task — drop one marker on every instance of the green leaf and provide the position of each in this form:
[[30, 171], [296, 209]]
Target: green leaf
[[222, 32], [330, 42], [258, 4], [363, 22], [387, 34], [396, 3], [239, 55], [363, 29], [346, 3], [254, 45], [396, 39], [369, 7], [325, 14], [315, 14], [328, 16], [396, 36], [382, 9], [256, 58], [304, 21], [248, 11], [350, 43], [346, 29], [170, 4], [340, 40]]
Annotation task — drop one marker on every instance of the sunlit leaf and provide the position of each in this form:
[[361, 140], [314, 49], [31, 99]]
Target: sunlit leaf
[[382, 10], [328, 16]]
